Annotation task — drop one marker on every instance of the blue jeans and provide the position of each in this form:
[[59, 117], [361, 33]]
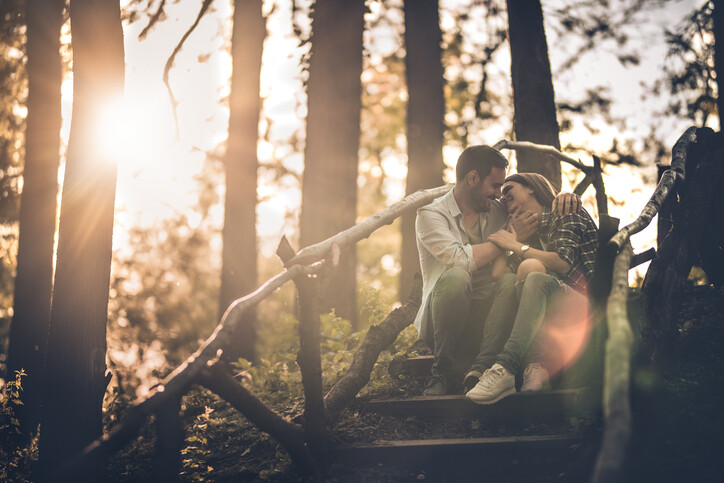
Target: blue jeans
[[464, 325], [537, 292]]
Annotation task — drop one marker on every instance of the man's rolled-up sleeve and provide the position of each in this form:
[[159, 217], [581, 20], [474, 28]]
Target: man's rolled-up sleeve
[[433, 231]]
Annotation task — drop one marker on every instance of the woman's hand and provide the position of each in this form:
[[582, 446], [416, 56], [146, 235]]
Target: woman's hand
[[505, 239]]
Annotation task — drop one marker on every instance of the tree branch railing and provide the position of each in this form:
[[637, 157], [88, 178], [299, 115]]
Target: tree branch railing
[[616, 397], [306, 443]]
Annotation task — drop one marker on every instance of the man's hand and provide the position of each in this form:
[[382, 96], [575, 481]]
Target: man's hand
[[505, 239], [525, 223], [567, 203]]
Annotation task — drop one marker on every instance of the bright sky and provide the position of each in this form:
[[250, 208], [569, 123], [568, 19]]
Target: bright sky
[[156, 170]]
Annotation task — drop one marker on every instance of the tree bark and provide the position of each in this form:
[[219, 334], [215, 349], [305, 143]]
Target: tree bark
[[425, 119], [38, 209], [288, 434], [239, 263], [696, 237], [533, 99], [719, 56], [310, 365], [75, 372], [169, 442], [363, 230], [617, 374], [329, 189], [377, 339]]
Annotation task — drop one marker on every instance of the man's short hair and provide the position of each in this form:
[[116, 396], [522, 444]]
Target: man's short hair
[[481, 159]]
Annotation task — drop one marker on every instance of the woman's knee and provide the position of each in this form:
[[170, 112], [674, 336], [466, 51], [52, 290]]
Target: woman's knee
[[528, 267]]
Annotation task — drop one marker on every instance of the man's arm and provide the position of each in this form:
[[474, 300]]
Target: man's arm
[[486, 252], [566, 203], [433, 232]]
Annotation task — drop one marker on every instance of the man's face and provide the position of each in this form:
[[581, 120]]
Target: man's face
[[487, 190]]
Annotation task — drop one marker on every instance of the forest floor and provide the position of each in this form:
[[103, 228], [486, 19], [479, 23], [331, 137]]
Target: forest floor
[[678, 408]]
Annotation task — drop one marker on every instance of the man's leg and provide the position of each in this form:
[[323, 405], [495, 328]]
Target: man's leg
[[497, 326], [450, 303]]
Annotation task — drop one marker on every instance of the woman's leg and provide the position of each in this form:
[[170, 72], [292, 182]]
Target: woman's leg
[[536, 292]]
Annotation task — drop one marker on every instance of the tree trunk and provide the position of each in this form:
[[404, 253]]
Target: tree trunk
[[75, 371], [329, 190], [535, 111], [719, 55], [425, 118], [33, 282], [239, 270]]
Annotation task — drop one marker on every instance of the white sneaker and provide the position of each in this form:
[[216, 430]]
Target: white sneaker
[[535, 378], [494, 385]]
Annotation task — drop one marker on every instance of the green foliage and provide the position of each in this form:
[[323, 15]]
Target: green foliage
[[689, 71], [195, 451], [16, 454]]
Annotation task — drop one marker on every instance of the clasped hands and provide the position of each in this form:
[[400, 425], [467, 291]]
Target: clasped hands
[[522, 224]]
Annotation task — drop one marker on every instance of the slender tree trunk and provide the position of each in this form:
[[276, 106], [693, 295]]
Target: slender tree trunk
[[75, 371], [533, 99], [425, 118], [719, 55], [239, 271], [329, 190], [33, 282]]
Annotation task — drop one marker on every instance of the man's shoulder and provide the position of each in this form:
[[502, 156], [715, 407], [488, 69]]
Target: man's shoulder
[[439, 205]]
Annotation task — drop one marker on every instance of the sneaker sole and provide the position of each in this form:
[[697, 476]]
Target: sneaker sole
[[491, 401]]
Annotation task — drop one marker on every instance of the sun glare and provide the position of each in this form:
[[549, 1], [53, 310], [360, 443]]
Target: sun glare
[[130, 134]]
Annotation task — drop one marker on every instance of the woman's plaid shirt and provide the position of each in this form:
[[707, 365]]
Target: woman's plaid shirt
[[574, 237]]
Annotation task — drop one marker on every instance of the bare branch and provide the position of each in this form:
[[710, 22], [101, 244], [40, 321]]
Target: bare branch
[[169, 63], [617, 371], [666, 184], [153, 20], [542, 148], [290, 435], [362, 230]]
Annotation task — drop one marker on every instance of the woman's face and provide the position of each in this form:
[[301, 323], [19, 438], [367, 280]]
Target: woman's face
[[517, 198]]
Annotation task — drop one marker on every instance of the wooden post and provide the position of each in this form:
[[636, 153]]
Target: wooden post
[[169, 442], [617, 372], [309, 359]]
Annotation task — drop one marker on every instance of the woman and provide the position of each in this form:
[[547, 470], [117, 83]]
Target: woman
[[561, 268]]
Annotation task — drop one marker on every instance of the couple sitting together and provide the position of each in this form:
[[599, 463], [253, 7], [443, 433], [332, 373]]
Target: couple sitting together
[[503, 262]]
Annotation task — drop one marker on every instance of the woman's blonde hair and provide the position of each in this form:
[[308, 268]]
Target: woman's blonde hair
[[543, 190]]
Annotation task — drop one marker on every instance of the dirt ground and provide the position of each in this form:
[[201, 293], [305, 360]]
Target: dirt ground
[[678, 411]]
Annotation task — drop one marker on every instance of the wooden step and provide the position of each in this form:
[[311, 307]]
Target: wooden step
[[477, 452], [411, 367], [521, 408]]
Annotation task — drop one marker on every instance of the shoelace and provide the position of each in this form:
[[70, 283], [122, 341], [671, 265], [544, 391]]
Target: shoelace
[[490, 381], [532, 372]]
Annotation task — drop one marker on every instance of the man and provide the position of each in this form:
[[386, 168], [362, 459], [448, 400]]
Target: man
[[464, 311]]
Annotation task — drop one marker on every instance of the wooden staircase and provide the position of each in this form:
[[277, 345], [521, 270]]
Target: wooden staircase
[[543, 436]]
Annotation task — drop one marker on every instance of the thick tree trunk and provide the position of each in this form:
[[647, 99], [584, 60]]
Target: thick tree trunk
[[329, 190], [75, 372], [239, 263], [425, 118], [535, 110], [719, 56], [38, 209], [697, 233]]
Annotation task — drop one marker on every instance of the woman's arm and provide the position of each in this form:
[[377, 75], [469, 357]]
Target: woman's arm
[[507, 241], [500, 266]]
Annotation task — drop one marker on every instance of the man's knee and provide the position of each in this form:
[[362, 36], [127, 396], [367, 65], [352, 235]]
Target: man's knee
[[505, 283], [529, 266], [454, 280]]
